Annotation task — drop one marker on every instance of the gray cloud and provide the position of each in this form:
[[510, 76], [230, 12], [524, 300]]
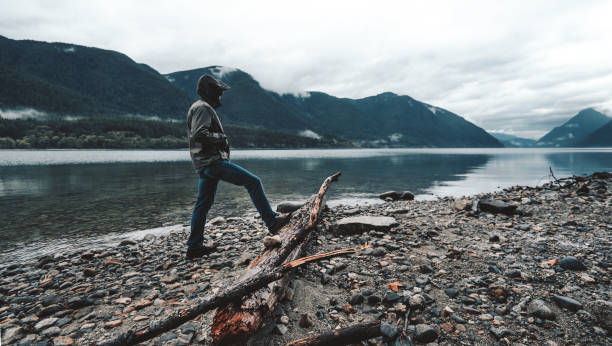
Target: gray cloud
[[505, 66]]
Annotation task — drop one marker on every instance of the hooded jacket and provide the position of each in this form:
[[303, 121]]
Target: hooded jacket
[[207, 141]]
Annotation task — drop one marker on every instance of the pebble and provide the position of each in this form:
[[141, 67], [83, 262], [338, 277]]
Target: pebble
[[388, 331], [391, 297], [571, 263], [305, 321], [63, 341], [52, 331], [485, 317], [416, 301], [112, 324], [45, 323], [281, 329], [13, 334], [425, 333], [539, 309], [356, 299], [568, 303], [451, 292]]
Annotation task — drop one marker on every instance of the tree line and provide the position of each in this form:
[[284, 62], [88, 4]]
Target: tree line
[[133, 133], [89, 133]]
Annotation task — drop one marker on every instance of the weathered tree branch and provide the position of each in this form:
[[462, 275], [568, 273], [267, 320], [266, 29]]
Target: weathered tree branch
[[244, 287], [235, 323], [344, 336]]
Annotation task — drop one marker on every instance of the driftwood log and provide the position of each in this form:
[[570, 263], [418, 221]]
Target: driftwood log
[[344, 336], [234, 323], [244, 286]]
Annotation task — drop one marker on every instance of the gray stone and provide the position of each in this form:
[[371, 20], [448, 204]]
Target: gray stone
[[392, 297], [451, 292], [539, 309], [422, 280], [63, 321], [168, 337], [379, 252], [416, 301], [425, 333], [221, 265], [63, 341], [90, 272], [495, 207], [359, 224], [49, 310], [356, 299], [46, 323], [500, 332], [602, 310], [462, 204], [50, 299], [218, 220], [373, 300], [288, 206], [128, 242], [189, 327], [388, 331], [305, 321], [12, 334], [53, 331], [458, 319], [567, 303], [395, 195], [513, 273], [571, 263], [281, 329], [149, 237], [77, 303]]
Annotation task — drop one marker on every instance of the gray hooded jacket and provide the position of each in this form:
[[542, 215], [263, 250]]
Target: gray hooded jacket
[[207, 141]]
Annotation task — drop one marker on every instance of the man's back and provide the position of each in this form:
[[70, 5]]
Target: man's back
[[205, 130]]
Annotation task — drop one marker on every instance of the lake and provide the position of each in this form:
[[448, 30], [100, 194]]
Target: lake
[[52, 200]]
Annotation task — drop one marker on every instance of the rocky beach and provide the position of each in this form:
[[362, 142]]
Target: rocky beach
[[525, 265]]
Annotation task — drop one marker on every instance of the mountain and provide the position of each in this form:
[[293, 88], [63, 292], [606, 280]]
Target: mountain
[[65, 79], [72, 79], [575, 130], [246, 102], [382, 120], [602, 137], [510, 141]]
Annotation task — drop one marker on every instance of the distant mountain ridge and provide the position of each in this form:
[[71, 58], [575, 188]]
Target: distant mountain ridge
[[382, 120], [73, 79], [574, 131], [510, 141], [602, 137], [69, 79]]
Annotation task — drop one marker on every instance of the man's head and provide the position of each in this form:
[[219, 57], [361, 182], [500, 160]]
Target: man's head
[[210, 90]]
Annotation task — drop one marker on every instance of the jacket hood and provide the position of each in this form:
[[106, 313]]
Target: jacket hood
[[209, 90]]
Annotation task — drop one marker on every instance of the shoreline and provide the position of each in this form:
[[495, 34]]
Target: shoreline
[[468, 278]]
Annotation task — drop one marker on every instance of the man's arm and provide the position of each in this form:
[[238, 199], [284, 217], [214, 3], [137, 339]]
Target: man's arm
[[200, 127]]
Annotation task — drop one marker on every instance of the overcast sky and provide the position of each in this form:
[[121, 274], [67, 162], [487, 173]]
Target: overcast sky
[[520, 67]]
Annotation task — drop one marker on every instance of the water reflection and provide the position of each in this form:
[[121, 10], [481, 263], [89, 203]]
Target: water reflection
[[43, 202]]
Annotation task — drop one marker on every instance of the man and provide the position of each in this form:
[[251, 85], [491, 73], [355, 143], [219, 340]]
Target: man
[[209, 151]]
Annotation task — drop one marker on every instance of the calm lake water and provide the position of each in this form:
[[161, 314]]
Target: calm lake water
[[56, 199]]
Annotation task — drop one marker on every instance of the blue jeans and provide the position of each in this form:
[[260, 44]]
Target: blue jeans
[[207, 186]]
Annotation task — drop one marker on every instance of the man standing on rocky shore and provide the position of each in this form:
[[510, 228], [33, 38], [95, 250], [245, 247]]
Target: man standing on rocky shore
[[210, 154]]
